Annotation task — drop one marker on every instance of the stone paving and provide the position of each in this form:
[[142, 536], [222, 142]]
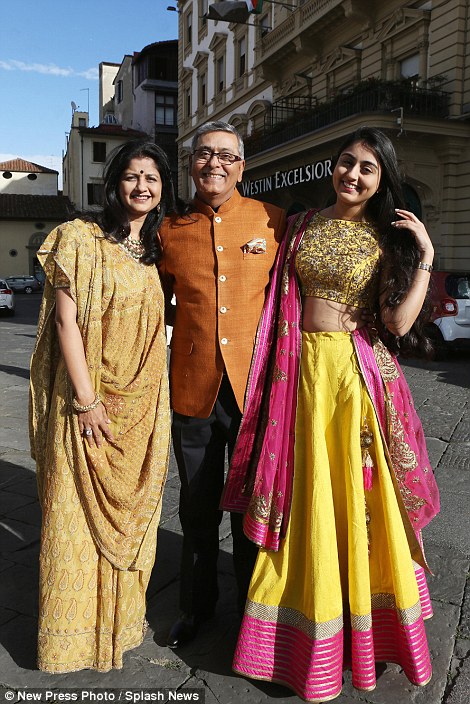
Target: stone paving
[[442, 393]]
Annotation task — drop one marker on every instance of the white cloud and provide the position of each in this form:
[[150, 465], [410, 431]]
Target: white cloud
[[48, 69]]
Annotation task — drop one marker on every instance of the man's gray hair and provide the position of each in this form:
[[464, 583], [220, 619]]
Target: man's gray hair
[[218, 126]]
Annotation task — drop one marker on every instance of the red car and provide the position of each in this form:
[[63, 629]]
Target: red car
[[450, 317]]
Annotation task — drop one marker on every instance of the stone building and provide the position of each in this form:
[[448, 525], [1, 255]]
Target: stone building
[[304, 73], [85, 157], [30, 207]]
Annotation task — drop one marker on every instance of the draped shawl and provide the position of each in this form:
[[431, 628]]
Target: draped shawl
[[259, 481], [120, 317]]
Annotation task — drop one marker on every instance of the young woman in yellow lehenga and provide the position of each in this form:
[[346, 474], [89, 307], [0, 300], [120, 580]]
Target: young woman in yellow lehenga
[[330, 465], [99, 417]]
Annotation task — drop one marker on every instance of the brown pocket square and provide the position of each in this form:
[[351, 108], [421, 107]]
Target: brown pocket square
[[255, 246]]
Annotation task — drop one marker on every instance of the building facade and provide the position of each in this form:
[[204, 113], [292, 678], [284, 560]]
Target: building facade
[[30, 207], [85, 157], [138, 100], [141, 94], [303, 74]]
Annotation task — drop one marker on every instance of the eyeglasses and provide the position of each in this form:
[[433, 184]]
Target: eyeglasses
[[205, 154]]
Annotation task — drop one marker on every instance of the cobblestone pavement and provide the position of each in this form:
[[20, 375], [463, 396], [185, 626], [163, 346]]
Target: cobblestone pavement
[[441, 391]]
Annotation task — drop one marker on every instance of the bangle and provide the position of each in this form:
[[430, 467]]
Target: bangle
[[425, 267], [84, 409]]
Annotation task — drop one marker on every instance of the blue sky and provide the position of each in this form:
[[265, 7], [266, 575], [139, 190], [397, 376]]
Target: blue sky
[[50, 51]]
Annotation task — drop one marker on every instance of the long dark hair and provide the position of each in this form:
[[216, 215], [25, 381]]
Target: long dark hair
[[114, 218], [401, 255]]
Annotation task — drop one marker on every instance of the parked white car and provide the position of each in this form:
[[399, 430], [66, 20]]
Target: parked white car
[[7, 298], [450, 319]]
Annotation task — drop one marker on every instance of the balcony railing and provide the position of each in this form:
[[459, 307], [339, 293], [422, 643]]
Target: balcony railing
[[383, 97]]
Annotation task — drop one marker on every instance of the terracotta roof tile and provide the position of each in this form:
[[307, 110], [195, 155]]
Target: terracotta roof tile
[[25, 207], [23, 165]]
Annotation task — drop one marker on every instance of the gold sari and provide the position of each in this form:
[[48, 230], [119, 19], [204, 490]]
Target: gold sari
[[101, 506]]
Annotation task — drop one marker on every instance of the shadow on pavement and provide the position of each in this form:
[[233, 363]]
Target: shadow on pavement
[[453, 370], [19, 539], [14, 371]]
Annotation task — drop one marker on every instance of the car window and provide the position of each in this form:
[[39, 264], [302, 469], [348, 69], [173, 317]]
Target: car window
[[458, 286]]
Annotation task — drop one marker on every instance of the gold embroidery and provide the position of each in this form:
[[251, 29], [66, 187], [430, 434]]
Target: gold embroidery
[[385, 362], [403, 459], [283, 327], [295, 619], [262, 510], [350, 273], [279, 374], [114, 404], [361, 623]]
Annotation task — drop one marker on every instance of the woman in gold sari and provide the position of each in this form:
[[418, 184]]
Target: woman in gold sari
[[99, 417]]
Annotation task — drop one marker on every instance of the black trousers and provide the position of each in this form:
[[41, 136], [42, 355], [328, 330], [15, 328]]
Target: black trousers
[[199, 445]]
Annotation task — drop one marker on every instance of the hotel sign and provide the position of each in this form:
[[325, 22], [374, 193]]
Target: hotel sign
[[284, 179]]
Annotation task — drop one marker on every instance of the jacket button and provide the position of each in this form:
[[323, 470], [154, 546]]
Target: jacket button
[[218, 218], [222, 278], [223, 341], [223, 309]]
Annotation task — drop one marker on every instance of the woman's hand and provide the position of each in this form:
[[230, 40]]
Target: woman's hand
[[419, 232], [94, 425]]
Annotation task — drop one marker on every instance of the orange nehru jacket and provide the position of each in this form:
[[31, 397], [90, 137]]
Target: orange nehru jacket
[[219, 280]]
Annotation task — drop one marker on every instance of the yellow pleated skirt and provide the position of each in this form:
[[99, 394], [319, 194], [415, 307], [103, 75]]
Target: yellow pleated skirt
[[342, 590]]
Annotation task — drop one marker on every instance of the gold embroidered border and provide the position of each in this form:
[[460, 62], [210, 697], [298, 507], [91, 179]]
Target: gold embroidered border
[[262, 510], [406, 616], [294, 618], [403, 458], [320, 631], [385, 362]]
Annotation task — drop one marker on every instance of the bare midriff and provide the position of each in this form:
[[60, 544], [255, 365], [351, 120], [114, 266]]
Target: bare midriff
[[322, 315]]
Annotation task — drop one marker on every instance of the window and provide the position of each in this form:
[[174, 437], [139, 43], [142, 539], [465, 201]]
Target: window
[[119, 91], [32, 177], [202, 99], [241, 56], [264, 25], [203, 9], [409, 67], [188, 31], [165, 109], [99, 151], [95, 193], [220, 74], [187, 102], [7, 174], [82, 122]]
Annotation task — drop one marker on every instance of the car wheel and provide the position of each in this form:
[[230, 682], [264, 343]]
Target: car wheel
[[28, 289]]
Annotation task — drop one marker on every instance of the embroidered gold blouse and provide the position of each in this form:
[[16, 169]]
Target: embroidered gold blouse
[[339, 260]]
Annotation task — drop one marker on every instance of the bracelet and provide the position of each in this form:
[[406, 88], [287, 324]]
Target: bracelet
[[425, 267], [83, 409]]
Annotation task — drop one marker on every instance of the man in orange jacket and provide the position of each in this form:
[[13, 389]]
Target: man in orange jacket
[[217, 261]]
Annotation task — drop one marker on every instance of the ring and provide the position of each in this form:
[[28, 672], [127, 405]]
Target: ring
[[88, 431]]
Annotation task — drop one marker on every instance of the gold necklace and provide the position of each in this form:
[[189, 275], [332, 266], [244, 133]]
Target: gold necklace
[[133, 247]]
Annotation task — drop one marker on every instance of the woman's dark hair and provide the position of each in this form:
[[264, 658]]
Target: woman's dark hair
[[114, 218], [401, 255]]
